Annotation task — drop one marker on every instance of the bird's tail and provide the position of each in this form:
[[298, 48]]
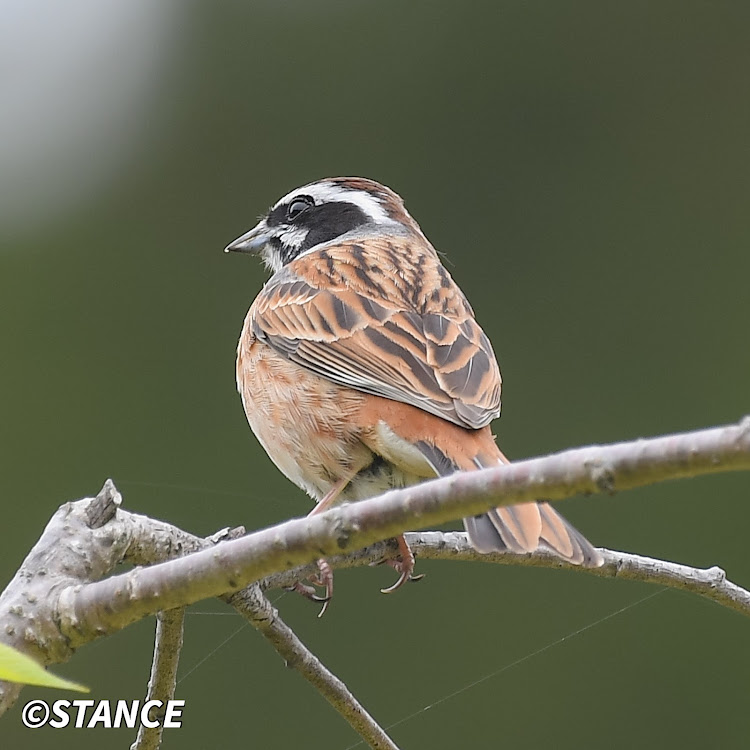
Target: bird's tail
[[517, 528]]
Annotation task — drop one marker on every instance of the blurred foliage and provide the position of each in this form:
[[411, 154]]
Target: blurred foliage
[[17, 667], [584, 167]]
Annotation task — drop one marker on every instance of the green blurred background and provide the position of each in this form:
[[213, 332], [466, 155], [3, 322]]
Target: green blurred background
[[584, 166]]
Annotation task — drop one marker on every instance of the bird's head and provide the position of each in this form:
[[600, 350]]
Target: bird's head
[[321, 212]]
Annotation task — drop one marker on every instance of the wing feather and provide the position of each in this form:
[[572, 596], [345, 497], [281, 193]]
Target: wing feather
[[385, 317]]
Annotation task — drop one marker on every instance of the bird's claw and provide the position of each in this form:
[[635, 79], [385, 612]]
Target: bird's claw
[[323, 579], [404, 566]]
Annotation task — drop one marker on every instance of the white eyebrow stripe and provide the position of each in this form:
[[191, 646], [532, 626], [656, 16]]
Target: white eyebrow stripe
[[322, 192]]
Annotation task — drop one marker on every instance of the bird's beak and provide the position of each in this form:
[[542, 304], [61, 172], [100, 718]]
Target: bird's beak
[[250, 242]]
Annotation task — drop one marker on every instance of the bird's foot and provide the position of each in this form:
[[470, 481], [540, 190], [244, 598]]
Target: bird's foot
[[324, 579], [404, 566]]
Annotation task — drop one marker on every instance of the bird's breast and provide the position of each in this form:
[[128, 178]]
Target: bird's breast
[[304, 422]]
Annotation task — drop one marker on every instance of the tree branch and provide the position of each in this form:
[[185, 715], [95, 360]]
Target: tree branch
[[264, 617], [109, 605], [161, 685], [58, 601], [710, 583]]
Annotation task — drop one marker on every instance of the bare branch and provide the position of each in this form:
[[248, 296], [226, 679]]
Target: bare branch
[[83, 541], [161, 685], [80, 543], [57, 600], [264, 617], [106, 606], [710, 583]]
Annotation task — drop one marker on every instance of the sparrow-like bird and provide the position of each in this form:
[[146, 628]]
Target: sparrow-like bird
[[361, 366]]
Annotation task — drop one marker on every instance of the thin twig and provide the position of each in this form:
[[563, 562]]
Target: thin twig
[[264, 617], [161, 684], [710, 583]]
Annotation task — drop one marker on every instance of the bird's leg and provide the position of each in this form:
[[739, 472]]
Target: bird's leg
[[403, 565], [325, 572]]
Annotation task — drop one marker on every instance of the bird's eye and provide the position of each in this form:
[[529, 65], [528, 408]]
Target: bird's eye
[[297, 206]]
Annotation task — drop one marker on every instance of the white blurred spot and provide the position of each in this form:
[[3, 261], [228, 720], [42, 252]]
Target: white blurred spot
[[76, 80]]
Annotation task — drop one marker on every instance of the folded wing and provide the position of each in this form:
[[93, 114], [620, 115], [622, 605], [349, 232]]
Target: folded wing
[[365, 316]]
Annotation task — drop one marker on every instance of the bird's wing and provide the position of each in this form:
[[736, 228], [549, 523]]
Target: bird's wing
[[383, 316]]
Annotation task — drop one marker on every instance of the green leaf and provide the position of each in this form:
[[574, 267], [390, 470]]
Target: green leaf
[[17, 667]]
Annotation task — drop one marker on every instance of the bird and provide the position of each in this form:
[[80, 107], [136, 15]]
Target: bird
[[361, 367]]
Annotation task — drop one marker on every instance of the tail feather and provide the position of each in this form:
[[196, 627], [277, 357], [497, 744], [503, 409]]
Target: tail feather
[[555, 527], [516, 528], [519, 526], [483, 534]]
